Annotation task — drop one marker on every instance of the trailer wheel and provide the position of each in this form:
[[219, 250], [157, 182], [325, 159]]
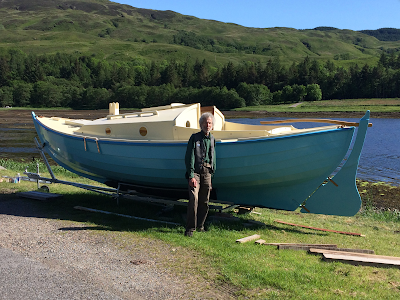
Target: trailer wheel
[[44, 189]]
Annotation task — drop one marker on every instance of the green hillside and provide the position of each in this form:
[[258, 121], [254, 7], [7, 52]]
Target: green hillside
[[114, 31]]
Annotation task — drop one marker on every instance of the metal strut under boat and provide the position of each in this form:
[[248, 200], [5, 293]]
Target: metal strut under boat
[[102, 190]]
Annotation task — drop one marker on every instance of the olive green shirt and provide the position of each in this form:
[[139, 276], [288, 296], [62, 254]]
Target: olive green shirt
[[190, 159]]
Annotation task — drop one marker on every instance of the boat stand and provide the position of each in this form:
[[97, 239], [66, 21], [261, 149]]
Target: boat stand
[[36, 176], [115, 193]]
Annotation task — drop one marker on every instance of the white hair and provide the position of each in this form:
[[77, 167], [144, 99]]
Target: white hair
[[205, 116]]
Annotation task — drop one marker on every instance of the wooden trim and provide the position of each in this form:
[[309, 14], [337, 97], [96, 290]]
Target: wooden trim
[[97, 144], [337, 122], [209, 109]]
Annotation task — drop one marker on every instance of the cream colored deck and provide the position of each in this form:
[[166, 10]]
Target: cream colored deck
[[175, 122]]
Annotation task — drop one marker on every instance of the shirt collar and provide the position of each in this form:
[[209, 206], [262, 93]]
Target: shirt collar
[[205, 136]]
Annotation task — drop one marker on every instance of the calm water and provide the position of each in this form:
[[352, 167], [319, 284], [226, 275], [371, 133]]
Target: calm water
[[17, 142], [380, 158]]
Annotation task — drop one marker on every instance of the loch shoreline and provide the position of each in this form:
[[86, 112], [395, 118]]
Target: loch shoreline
[[23, 117]]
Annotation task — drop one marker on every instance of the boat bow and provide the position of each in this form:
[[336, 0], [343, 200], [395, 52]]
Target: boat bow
[[339, 196]]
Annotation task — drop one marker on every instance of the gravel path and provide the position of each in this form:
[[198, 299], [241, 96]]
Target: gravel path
[[24, 278], [45, 258]]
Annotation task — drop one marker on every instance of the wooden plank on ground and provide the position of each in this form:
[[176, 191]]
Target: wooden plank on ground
[[303, 247], [320, 229], [323, 251], [318, 248], [301, 244], [39, 195], [248, 238], [260, 242], [255, 212], [351, 250], [356, 259]]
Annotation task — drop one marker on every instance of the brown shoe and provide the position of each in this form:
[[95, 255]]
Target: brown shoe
[[188, 233]]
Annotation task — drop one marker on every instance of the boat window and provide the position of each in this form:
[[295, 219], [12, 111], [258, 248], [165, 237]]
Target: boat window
[[187, 124], [143, 131], [108, 130]]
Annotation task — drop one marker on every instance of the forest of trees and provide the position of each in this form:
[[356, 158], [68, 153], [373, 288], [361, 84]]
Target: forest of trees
[[384, 34], [85, 82]]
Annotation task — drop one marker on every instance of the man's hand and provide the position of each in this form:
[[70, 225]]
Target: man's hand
[[192, 182]]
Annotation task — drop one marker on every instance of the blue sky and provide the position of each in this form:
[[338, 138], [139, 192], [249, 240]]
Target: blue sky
[[306, 14]]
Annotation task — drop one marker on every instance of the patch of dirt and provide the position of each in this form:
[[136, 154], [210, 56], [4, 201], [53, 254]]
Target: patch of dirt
[[6, 191], [126, 265], [379, 195]]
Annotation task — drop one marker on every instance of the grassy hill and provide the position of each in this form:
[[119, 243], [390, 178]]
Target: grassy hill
[[114, 31]]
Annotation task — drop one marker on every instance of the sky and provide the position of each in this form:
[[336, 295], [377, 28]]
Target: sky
[[306, 14]]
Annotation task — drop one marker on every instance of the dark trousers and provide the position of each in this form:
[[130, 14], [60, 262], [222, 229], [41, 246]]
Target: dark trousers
[[197, 209]]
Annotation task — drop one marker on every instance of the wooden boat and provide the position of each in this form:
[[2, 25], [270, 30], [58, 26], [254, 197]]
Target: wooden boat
[[275, 166]]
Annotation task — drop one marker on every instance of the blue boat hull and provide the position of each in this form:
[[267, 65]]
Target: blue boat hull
[[275, 172]]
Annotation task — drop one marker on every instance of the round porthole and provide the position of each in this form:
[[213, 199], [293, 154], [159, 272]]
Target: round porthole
[[187, 124], [108, 130], [143, 131]]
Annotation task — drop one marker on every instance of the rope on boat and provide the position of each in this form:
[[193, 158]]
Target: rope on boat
[[97, 144]]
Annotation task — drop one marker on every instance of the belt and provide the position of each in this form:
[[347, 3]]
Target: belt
[[207, 165]]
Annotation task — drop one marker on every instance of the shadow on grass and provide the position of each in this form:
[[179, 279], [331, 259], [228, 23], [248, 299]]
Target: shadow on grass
[[63, 209]]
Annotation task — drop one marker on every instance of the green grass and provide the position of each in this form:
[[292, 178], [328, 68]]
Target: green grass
[[350, 105], [31, 166], [52, 30], [253, 271]]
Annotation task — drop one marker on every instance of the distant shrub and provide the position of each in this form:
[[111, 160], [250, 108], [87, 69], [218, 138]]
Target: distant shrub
[[313, 92], [254, 94], [325, 28]]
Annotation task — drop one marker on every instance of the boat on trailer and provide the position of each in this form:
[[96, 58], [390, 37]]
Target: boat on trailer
[[275, 166]]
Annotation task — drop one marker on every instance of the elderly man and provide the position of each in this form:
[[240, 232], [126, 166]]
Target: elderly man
[[200, 166]]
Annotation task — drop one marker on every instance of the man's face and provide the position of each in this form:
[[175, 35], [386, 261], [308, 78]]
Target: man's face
[[207, 125]]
